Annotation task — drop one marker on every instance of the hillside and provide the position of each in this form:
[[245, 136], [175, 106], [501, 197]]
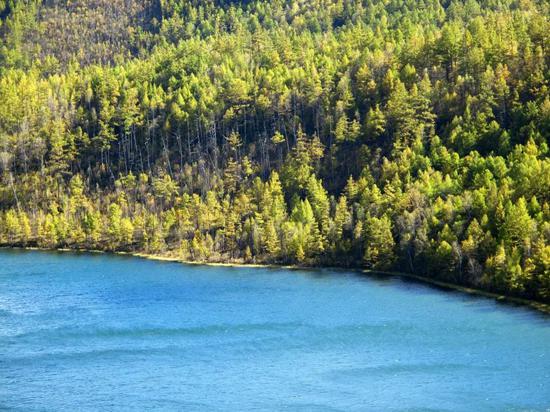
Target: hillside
[[58, 32], [392, 135]]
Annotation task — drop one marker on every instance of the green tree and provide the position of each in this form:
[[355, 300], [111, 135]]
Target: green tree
[[379, 243]]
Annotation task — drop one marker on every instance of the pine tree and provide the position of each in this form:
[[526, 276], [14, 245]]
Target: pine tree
[[12, 227], [379, 243], [114, 227]]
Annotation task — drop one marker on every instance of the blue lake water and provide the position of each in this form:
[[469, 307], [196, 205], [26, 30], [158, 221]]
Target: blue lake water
[[99, 332]]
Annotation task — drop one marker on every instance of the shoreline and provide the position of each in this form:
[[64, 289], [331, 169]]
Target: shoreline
[[538, 306]]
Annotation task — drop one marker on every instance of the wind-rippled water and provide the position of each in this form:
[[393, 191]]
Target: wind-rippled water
[[100, 332]]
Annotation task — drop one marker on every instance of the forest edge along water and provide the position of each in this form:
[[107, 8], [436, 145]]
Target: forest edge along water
[[404, 140], [357, 133], [539, 306]]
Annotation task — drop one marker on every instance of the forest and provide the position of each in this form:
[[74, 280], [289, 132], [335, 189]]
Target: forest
[[391, 135]]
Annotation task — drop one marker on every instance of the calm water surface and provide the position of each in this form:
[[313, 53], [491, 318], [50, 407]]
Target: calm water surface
[[98, 332]]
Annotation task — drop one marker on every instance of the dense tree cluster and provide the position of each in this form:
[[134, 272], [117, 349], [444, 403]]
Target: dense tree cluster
[[393, 135]]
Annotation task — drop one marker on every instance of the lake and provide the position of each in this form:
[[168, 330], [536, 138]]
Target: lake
[[101, 332]]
